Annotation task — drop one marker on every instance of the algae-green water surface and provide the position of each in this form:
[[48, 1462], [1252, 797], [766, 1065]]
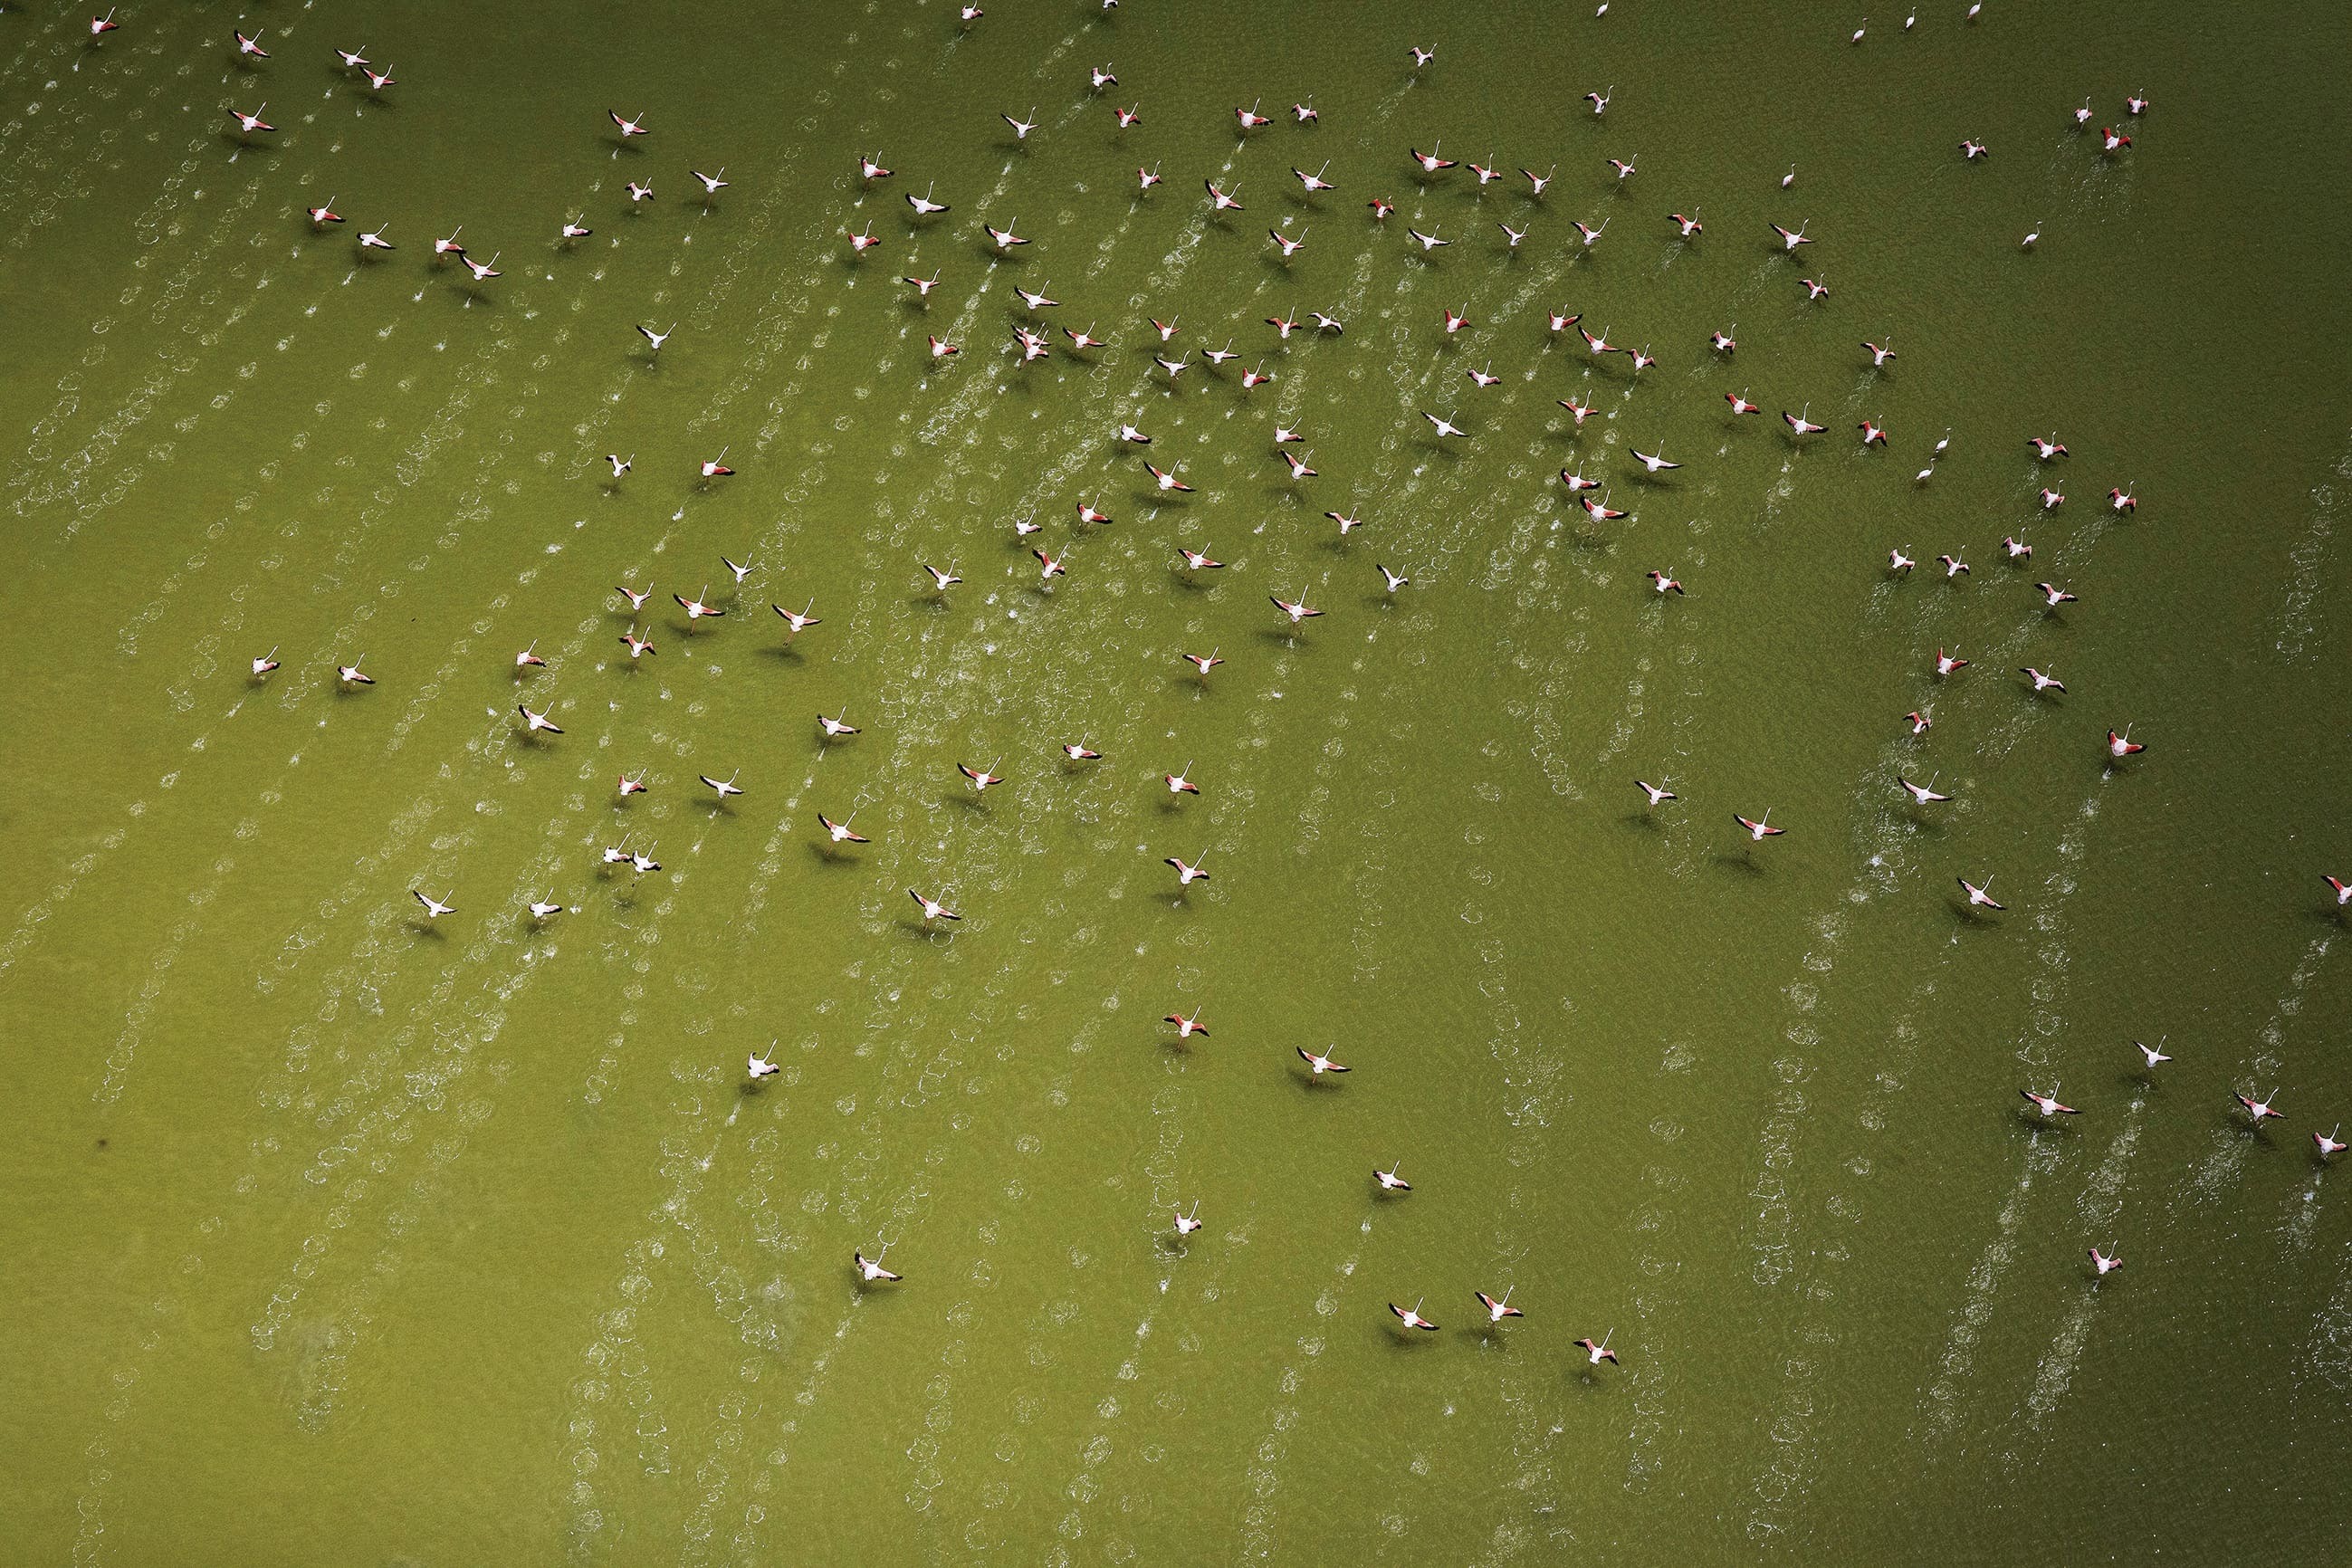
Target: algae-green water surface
[[339, 1232]]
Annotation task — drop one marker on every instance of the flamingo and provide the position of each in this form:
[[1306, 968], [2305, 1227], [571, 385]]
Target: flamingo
[[1497, 1308], [1411, 1317], [932, 908], [2260, 1109]]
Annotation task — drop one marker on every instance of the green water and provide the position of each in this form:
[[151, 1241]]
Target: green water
[[336, 1234]]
